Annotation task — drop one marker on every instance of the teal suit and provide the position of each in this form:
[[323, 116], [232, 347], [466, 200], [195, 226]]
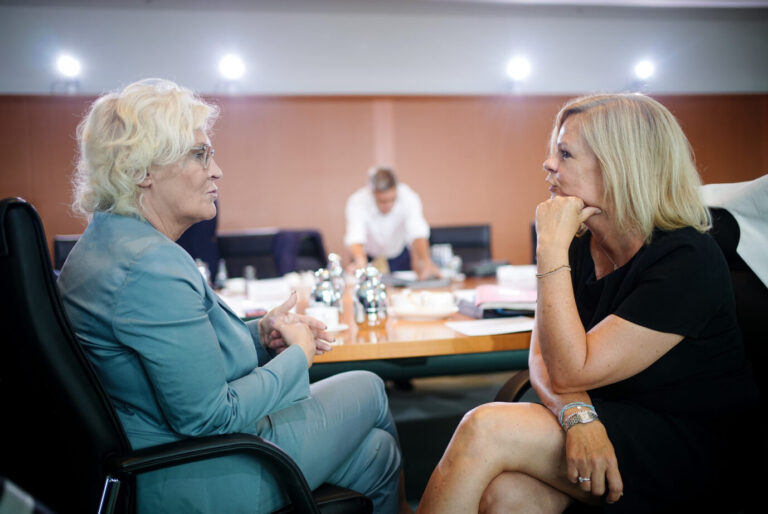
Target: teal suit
[[179, 363]]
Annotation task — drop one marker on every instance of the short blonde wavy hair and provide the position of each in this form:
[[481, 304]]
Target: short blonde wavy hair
[[649, 175], [150, 122]]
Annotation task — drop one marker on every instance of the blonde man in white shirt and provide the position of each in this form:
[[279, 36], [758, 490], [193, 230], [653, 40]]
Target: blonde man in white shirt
[[385, 219]]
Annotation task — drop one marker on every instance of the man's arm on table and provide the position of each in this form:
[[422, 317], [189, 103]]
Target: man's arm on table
[[421, 262]]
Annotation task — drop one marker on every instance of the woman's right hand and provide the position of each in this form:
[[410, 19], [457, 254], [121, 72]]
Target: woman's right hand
[[559, 219], [299, 334], [590, 453]]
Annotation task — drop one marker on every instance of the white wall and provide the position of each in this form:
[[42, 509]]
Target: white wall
[[392, 47]]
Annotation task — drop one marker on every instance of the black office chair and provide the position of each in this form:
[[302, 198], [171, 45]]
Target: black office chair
[[751, 295], [470, 242], [62, 245], [200, 242], [60, 439], [299, 250], [248, 248]]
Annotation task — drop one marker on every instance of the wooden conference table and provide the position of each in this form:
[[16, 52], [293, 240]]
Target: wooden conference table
[[404, 348]]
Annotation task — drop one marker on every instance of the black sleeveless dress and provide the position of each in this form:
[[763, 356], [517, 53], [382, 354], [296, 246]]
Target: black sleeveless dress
[[682, 427]]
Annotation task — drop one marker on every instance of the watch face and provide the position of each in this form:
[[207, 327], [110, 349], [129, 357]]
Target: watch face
[[585, 416]]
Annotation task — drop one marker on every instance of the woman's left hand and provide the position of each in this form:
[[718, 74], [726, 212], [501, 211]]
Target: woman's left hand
[[272, 339], [589, 454]]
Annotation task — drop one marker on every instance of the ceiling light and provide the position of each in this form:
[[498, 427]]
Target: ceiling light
[[231, 67], [68, 66], [644, 69], [518, 68]]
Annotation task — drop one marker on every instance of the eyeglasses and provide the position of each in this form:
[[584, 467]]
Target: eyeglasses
[[203, 153]]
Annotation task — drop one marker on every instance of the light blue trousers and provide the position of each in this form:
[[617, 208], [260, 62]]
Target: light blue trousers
[[344, 435]]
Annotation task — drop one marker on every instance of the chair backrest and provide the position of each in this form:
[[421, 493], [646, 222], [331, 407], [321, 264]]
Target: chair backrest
[[58, 428], [199, 241], [248, 248], [750, 292], [470, 242], [299, 250], [62, 245]]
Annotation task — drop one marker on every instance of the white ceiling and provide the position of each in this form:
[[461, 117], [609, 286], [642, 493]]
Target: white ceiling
[[239, 4], [626, 3], [387, 46]]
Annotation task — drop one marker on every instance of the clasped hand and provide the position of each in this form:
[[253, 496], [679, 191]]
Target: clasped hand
[[277, 329]]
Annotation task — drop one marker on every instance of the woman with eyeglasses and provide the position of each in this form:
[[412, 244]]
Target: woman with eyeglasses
[[178, 363]]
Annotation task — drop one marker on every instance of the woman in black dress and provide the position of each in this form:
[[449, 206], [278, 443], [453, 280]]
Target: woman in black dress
[[636, 353]]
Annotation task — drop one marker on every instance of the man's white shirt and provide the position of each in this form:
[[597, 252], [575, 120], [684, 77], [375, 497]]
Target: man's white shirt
[[385, 234]]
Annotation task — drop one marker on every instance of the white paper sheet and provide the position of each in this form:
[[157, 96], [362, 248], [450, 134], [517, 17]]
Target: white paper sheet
[[494, 326]]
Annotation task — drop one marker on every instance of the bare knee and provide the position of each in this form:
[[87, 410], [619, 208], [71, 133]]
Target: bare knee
[[518, 492], [477, 428], [504, 494], [498, 423]]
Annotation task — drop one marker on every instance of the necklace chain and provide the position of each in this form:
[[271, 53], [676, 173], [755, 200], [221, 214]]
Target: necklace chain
[[615, 267]]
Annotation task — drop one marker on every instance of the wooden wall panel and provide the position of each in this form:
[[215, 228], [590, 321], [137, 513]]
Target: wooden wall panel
[[478, 160], [729, 134], [292, 161]]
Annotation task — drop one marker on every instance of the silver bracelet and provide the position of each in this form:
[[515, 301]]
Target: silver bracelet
[[553, 271], [580, 416]]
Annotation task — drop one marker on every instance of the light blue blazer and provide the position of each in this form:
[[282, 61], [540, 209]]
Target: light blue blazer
[[176, 362]]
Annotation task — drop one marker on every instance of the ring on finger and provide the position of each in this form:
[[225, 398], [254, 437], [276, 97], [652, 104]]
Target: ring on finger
[[584, 479]]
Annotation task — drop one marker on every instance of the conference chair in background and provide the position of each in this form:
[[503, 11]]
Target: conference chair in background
[[272, 252], [200, 242], [299, 250], [62, 245], [470, 242], [254, 247], [60, 438]]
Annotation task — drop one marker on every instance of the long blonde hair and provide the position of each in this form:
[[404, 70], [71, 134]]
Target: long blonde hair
[[649, 175], [150, 122]]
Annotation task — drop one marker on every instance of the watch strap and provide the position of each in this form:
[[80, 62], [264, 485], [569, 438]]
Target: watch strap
[[580, 416]]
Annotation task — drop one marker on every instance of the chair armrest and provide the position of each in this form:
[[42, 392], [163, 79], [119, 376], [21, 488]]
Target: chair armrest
[[514, 388], [277, 461]]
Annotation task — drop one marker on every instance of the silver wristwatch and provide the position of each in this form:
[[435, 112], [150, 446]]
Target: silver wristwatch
[[580, 416]]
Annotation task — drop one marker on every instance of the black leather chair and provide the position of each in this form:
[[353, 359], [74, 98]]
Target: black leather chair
[[60, 439], [299, 250], [62, 245], [200, 242], [470, 242], [248, 248]]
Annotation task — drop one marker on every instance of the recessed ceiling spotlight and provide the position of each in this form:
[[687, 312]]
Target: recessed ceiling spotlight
[[644, 69], [518, 68], [68, 66], [231, 67]]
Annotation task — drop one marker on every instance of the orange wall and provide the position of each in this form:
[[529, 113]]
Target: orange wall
[[291, 162]]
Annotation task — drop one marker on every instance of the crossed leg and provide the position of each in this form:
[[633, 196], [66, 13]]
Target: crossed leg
[[503, 457]]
